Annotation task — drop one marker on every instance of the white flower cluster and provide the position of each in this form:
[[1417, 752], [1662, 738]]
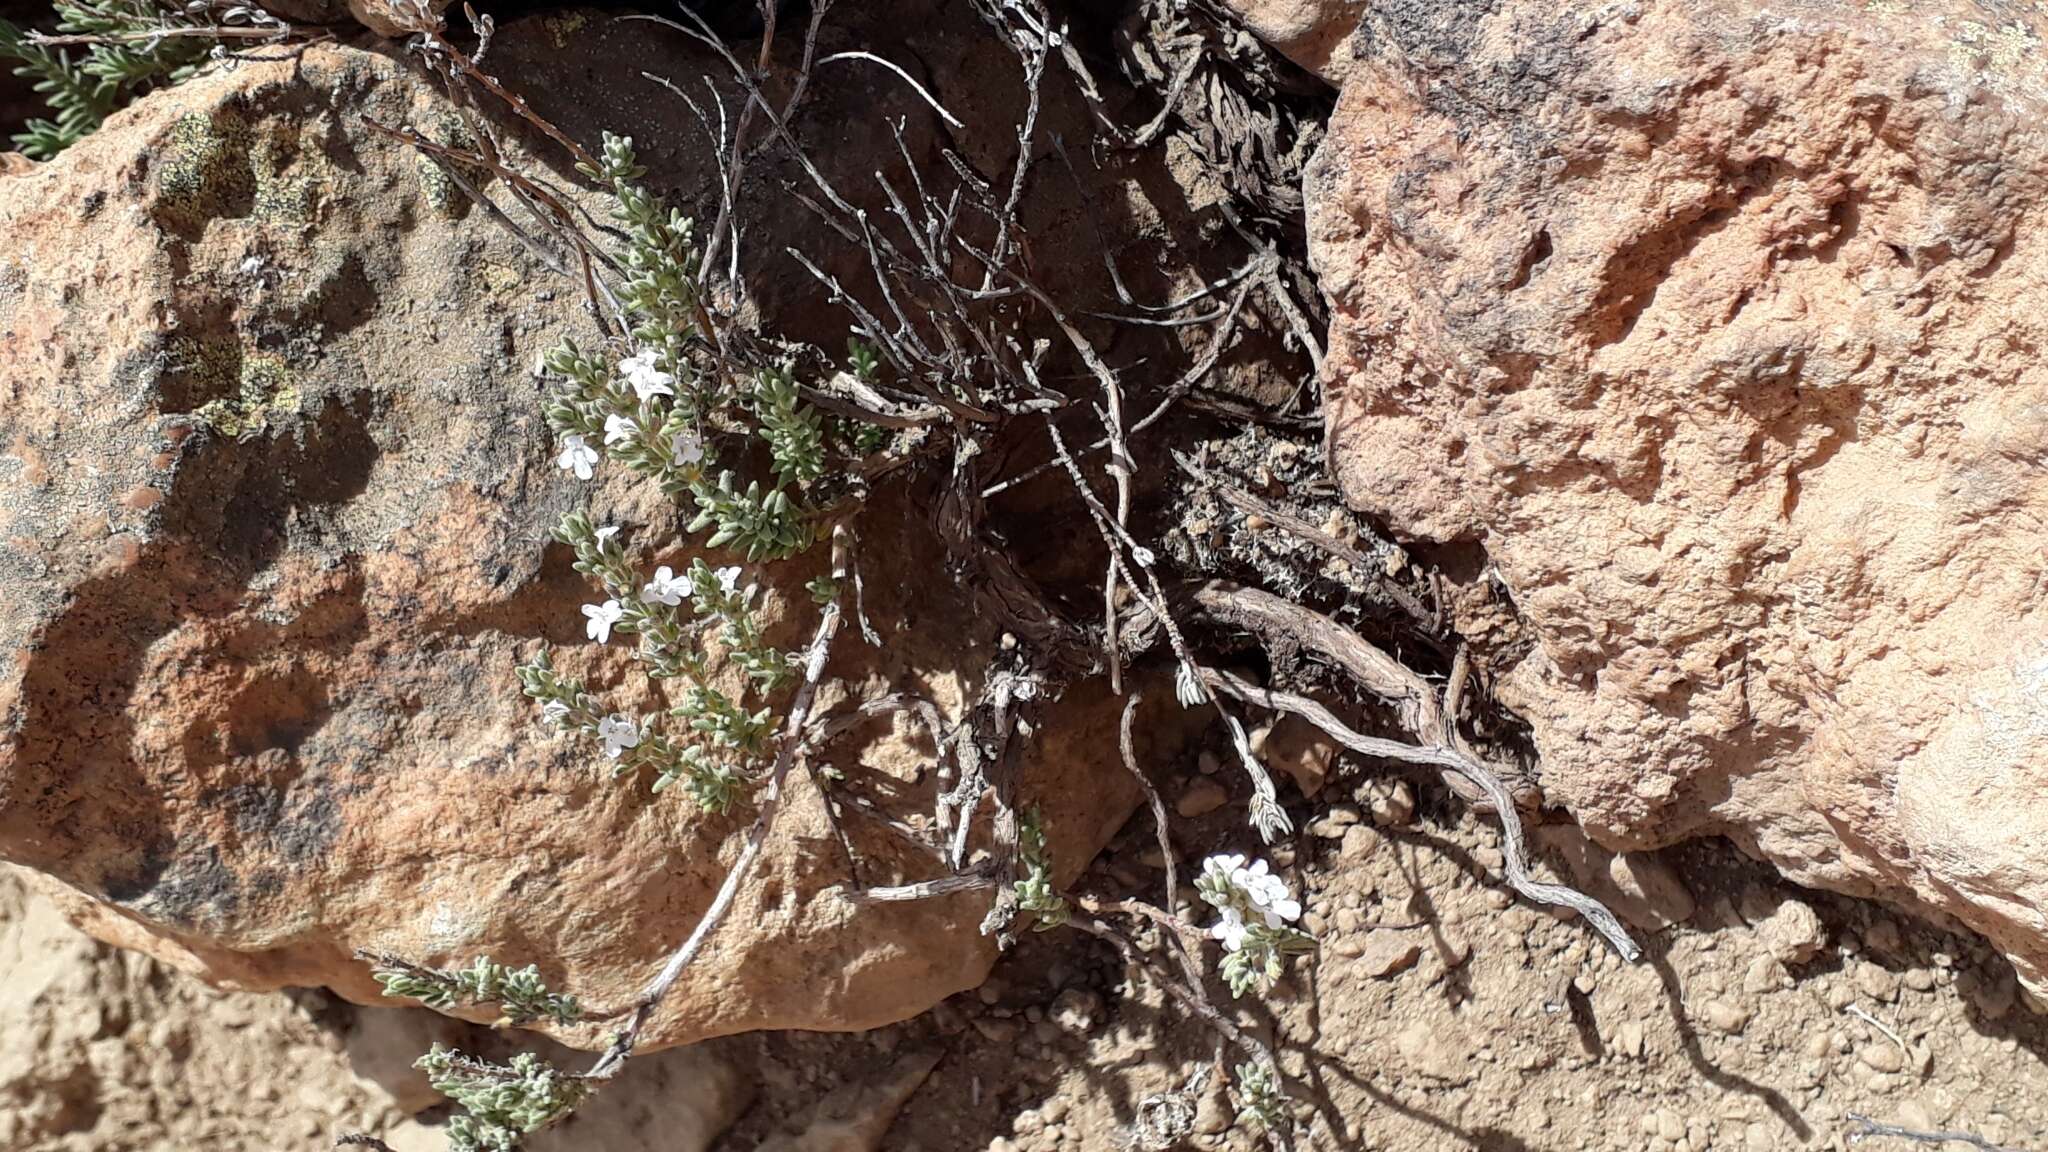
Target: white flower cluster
[[644, 376], [1245, 894]]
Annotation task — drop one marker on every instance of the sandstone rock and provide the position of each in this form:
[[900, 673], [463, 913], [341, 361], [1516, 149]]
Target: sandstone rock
[[1715, 324], [276, 488], [392, 18], [1315, 34]]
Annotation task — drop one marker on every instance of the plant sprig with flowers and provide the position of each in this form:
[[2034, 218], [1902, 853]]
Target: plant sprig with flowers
[[652, 403], [1255, 921]]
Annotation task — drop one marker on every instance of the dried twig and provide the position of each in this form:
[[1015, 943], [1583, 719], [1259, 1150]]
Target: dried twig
[[1866, 1129], [1152, 798], [1513, 851]]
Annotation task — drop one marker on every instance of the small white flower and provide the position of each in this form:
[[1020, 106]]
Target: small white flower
[[687, 446], [605, 533], [647, 380], [618, 430], [1223, 868], [1267, 893], [1230, 930], [577, 456], [554, 712], [1143, 556], [666, 587], [729, 578], [618, 733], [602, 617]]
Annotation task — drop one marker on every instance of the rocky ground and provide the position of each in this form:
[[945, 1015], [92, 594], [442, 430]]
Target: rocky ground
[[1439, 1014], [277, 485]]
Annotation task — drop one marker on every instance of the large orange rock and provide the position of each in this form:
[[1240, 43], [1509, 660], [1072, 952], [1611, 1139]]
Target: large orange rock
[[274, 496], [1315, 34], [1719, 324]]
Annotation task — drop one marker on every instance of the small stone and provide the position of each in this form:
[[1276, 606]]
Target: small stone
[[1793, 933], [1764, 974], [1360, 842], [1207, 763], [1391, 802], [1213, 1115], [1388, 952], [1726, 1018], [1882, 1057], [998, 1031], [1201, 797], [1332, 824], [1077, 1011], [1918, 979], [1349, 920], [1670, 1125], [1349, 948], [1876, 982], [1884, 936]]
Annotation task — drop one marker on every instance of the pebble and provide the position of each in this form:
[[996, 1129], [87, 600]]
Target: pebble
[[1077, 1011], [1391, 802], [1628, 1039], [1793, 933], [998, 1031], [1207, 763], [1876, 982], [1334, 823], [1725, 1017], [1201, 797], [1882, 1057], [1388, 952], [1918, 979], [1359, 843]]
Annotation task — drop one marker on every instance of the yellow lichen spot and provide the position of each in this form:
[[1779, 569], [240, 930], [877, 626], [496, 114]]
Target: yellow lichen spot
[[266, 389], [204, 172], [1997, 57], [441, 191], [563, 28]]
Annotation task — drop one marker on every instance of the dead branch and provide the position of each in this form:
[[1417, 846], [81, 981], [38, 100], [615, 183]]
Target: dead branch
[[1158, 805], [1866, 1129], [1514, 853]]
